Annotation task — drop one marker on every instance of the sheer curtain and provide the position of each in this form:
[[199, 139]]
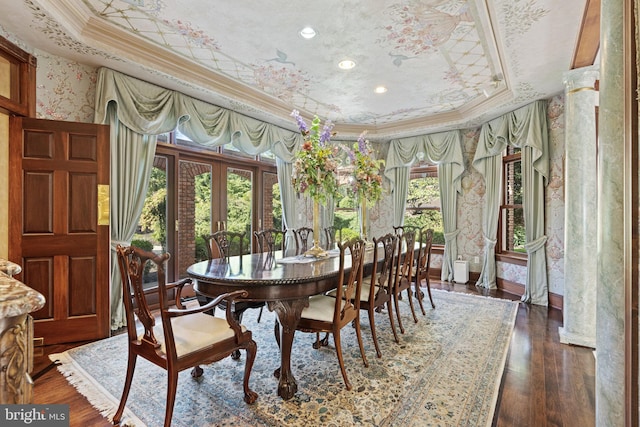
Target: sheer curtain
[[445, 150], [525, 128]]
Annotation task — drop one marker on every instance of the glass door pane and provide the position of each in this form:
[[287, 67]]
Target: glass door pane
[[271, 216], [239, 204], [194, 212], [151, 234]]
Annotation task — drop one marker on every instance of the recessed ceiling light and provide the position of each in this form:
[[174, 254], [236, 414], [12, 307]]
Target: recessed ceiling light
[[347, 64], [308, 33], [380, 89]]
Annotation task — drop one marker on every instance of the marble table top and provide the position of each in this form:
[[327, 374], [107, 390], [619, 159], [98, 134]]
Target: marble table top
[[16, 298]]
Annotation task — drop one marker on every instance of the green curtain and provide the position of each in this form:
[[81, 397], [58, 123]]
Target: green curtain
[[445, 150], [137, 112], [527, 129]]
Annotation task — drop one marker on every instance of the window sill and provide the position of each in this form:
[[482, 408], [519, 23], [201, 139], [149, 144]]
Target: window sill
[[517, 259]]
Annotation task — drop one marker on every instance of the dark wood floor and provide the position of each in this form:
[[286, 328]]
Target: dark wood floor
[[545, 383]]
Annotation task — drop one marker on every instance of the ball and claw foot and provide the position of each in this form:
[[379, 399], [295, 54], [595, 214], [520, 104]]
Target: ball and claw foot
[[250, 397], [196, 372]]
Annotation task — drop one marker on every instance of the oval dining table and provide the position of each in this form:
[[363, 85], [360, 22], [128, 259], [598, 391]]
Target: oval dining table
[[285, 284]]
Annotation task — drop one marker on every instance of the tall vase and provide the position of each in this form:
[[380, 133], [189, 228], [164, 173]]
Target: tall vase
[[316, 250], [363, 218]]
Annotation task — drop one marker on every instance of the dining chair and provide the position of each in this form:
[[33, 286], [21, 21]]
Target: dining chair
[[180, 338], [225, 244], [270, 240], [328, 314], [421, 268], [303, 236], [377, 291], [331, 234], [403, 273], [399, 229]]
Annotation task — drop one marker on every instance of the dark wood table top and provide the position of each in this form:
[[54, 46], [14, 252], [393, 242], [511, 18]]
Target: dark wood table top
[[267, 278]]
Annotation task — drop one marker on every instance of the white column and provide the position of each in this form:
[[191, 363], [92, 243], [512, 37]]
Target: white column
[[580, 221], [610, 313]]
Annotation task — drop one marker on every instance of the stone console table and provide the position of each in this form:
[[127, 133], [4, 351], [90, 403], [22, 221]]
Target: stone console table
[[17, 300]]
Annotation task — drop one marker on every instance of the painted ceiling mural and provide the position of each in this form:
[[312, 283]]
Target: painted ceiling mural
[[445, 63]]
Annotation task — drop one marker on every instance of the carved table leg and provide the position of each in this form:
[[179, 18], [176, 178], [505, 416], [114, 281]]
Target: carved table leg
[[288, 312]]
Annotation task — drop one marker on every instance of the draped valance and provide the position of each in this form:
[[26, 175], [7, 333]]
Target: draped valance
[[524, 127], [439, 148], [152, 110], [445, 150]]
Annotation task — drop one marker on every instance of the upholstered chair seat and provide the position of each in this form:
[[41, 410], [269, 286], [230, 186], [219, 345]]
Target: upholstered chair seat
[[193, 333], [321, 307]]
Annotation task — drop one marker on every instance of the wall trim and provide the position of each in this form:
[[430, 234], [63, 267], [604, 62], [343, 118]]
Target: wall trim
[[512, 288]]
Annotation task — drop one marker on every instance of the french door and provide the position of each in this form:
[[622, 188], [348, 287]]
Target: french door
[[191, 195]]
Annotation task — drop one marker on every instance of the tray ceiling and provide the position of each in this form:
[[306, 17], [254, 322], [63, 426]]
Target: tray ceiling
[[445, 63]]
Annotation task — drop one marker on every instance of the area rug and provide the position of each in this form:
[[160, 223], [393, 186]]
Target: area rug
[[446, 371]]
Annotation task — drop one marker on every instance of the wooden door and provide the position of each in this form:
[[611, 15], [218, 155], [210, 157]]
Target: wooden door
[[54, 232]]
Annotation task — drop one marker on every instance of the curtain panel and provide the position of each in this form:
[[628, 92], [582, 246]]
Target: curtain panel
[[527, 129], [137, 112], [445, 150]]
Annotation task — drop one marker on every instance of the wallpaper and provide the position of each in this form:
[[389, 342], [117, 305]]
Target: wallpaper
[[66, 91]]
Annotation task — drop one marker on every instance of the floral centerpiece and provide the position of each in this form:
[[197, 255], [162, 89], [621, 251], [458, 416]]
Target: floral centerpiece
[[366, 181], [315, 170]]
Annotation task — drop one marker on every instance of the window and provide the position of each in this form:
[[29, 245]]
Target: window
[[423, 200], [511, 236], [197, 190], [345, 216]]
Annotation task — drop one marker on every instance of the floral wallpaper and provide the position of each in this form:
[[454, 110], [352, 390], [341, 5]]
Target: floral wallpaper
[[66, 91]]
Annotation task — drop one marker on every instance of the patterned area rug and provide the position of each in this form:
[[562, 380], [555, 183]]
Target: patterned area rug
[[446, 371]]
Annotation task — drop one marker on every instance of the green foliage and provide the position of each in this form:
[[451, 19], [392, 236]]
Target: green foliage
[[347, 222], [201, 249], [147, 246], [154, 213], [202, 185], [519, 239], [277, 207], [142, 244], [424, 193]]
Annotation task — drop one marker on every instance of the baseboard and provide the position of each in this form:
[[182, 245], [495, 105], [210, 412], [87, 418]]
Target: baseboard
[[513, 288]]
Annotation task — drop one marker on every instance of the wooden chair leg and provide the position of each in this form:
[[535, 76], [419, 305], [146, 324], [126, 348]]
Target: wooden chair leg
[[393, 326], [372, 325], [131, 366], [419, 295], [235, 355], [260, 314], [336, 339], [429, 292], [250, 396], [359, 335], [413, 310], [172, 388], [397, 305], [321, 342]]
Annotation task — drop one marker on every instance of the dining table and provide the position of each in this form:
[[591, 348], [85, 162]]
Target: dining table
[[284, 282]]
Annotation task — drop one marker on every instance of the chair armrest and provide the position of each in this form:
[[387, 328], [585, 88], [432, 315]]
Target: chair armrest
[[179, 285], [230, 297]]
